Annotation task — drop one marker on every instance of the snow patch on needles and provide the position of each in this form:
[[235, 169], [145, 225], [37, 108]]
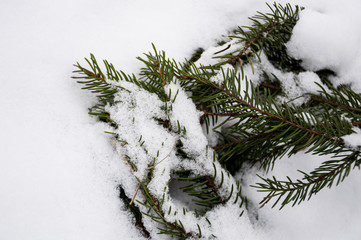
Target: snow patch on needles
[[353, 140], [151, 148], [185, 116], [148, 141], [295, 86], [210, 55]]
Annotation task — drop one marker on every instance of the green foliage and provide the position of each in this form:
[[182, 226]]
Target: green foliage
[[204, 190], [268, 33], [251, 124]]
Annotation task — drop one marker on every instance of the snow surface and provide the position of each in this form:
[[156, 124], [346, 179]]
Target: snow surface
[[339, 26], [58, 170]]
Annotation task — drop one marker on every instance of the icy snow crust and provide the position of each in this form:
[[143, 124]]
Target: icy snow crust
[[58, 171]]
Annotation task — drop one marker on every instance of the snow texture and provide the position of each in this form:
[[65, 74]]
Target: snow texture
[[58, 171], [329, 37], [353, 140], [293, 85], [151, 146]]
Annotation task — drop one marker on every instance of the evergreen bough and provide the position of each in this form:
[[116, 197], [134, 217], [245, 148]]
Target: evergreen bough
[[252, 125]]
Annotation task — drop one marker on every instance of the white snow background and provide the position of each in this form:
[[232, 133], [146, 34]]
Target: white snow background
[[58, 171]]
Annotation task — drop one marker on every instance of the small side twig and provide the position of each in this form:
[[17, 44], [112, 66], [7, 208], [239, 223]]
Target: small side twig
[[163, 80], [135, 194], [227, 114], [215, 189], [124, 159], [270, 86], [150, 168], [335, 104], [220, 114], [268, 199]]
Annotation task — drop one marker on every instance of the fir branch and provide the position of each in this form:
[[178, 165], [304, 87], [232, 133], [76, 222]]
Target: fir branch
[[298, 191], [344, 98], [235, 98], [250, 124], [335, 104], [250, 42], [268, 31]]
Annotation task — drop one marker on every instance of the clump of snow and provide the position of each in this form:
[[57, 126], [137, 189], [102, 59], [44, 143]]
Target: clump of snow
[[211, 55], [354, 139], [329, 40], [185, 114], [316, 42], [295, 86], [225, 71]]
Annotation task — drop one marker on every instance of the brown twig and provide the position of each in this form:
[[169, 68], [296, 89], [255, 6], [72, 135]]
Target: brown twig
[[335, 104], [135, 194], [356, 123], [149, 168], [124, 159], [226, 114], [220, 114], [268, 199], [234, 60], [215, 189], [270, 86], [163, 80]]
